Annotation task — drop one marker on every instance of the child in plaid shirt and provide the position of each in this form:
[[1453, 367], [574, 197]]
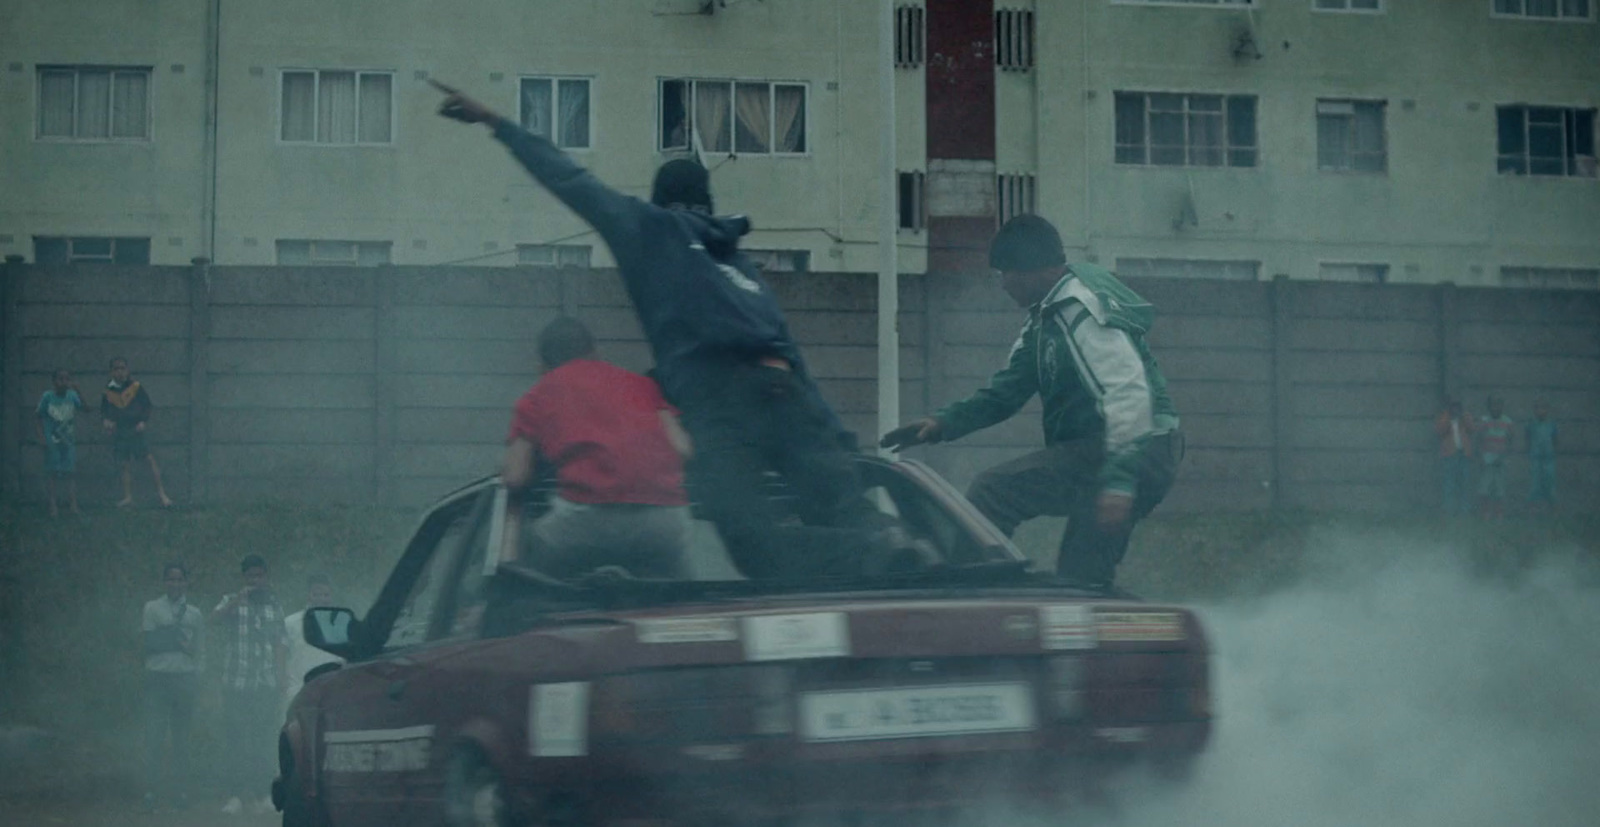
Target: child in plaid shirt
[[254, 679]]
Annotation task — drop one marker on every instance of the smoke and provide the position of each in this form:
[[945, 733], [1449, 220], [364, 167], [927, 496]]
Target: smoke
[[1401, 686]]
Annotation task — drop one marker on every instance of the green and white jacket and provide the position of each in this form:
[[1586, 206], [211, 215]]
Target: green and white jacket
[[1083, 351]]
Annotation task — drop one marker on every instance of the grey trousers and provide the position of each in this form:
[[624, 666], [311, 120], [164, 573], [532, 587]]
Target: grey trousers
[[575, 538], [1063, 481]]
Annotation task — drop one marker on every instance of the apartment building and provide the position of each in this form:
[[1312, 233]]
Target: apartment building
[[1364, 140]]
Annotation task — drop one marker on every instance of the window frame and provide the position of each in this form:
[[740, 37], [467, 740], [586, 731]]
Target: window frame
[[555, 105], [314, 261], [1253, 264], [555, 255], [1382, 8], [77, 70], [1571, 168], [1496, 14], [316, 114], [1227, 148], [733, 85], [110, 258], [1568, 272], [1383, 274], [1351, 131], [1192, 4]]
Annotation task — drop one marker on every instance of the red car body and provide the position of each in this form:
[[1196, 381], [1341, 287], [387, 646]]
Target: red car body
[[509, 701]]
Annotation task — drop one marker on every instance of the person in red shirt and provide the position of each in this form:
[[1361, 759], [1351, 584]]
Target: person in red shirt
[[617, 453]]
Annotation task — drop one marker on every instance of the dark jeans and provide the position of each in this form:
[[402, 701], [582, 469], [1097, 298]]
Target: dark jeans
[[1063, 481], [250, 719], [168, 714], [747, 420]]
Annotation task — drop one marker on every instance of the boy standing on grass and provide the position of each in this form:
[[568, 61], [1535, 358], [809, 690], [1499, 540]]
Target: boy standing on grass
[[57, 421], [125, 412], [1540, 433], [1496, 432], [172, 628]]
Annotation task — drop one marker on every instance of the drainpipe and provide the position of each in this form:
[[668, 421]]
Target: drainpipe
[[888, 233], [208, 195]]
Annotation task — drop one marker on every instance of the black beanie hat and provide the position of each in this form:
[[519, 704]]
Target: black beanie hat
[[1026, 242], [682, 181]]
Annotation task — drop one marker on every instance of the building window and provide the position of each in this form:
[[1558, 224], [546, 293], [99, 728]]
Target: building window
[[1014, 196], [1360, 273], [319, 252], [75, 249], [554, 255], [1189, 268], [735, 117], [1349, 5], [1179, 130], [1186, 2], [1013, 39], [558, 109], [1545, 9], [910, 36], [337, 107], [1350, 136], [780, 261], [1580, 278], [1546, 140], [94, 103], [913, 201]]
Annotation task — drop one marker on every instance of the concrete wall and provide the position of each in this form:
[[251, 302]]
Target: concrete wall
[[393, 384]]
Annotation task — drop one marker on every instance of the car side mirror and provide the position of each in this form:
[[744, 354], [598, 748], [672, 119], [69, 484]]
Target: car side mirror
[[333, 630]]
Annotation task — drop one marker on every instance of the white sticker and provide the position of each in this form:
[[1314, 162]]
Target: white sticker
[[1068, 626], [687, 630], [558, 720], [1141, 626], [377, 750], [794, 637]]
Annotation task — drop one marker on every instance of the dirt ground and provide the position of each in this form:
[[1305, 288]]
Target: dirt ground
[[91, 810]]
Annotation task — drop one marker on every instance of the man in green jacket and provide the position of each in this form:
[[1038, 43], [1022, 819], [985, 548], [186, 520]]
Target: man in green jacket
[[1111, 434]]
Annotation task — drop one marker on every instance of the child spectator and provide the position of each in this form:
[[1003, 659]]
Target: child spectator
[[254, 677], [125, 412], [172, 635], [58, 418], [1540, 433], [1496, 433], [1455, 457]]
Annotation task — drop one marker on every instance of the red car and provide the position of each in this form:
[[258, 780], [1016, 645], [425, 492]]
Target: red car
[[479, 691]]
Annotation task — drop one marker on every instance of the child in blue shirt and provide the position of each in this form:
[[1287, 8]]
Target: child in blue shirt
[[57, 422], [1541, 438]]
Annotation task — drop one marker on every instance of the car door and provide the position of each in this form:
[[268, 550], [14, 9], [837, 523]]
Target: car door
[[377, 744]]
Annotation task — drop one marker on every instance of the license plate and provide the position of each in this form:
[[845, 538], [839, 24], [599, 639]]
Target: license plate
[[915, 712]]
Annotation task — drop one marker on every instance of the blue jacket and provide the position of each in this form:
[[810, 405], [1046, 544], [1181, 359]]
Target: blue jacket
[[700, 301]]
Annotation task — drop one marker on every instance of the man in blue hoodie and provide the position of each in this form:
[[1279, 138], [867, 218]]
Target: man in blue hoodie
[[725, 358]]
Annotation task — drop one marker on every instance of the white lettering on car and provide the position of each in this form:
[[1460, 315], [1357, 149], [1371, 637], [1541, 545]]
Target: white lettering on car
[[378, 750], [797, 636]]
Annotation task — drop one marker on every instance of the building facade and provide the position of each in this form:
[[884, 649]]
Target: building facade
[[1352, 140]]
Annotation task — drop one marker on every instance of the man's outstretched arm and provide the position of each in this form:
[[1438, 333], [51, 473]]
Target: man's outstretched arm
[[614, 215]]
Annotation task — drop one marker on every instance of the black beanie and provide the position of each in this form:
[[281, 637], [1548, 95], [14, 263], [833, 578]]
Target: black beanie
[[1026, 242], [682, 181]]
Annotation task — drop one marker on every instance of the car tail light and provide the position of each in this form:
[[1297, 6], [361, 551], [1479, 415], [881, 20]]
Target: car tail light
[[1065, 690]]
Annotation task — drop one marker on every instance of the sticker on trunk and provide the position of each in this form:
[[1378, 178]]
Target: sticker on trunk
[[687, 630], [1068, 626], [558, 720], [796, 636], [1140, 626]]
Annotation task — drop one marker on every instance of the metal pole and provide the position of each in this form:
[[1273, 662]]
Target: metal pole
[[888, 233]]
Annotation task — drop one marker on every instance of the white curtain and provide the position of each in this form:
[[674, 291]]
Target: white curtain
[[94, 104], [574, 98], [376, 105], [789, 105], [57, 92], [536, 94], [299, 114], [130, 105], [752, 102], [336, 108], [711, 109]]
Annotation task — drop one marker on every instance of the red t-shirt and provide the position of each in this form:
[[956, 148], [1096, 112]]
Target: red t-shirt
[[601, 427]]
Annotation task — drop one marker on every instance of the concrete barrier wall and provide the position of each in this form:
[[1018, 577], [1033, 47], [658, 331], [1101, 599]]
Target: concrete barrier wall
[[391, 385]]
